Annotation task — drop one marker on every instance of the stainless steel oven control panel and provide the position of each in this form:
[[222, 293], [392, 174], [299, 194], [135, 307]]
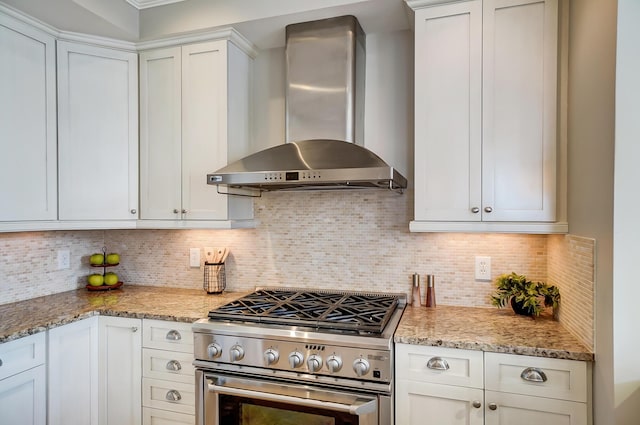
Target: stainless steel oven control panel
[[295, 356]]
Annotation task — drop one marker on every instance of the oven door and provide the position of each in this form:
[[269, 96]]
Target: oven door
[[232, 400]]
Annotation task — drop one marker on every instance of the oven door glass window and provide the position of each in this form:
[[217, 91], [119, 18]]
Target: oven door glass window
[[244, 411], [232, 400]]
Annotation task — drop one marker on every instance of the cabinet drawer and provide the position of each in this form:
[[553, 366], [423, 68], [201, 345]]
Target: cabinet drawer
[[166, 395], [22, 354], [168, 365], [439, 365], [521, 409], [172, 336], [538, 376], [164, 417]]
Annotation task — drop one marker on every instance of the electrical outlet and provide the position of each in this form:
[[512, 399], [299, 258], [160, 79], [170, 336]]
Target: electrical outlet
[[64, 259], [483, 268], [194, 257]]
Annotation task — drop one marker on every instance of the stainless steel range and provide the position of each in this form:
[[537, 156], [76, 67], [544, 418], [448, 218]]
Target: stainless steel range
[[295, 356]]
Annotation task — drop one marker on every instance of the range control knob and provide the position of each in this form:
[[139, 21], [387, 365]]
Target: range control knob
[[236, 353], [295, 359], [271, 356], [214, 350], [334, 363], [314, 363], [361, 366]]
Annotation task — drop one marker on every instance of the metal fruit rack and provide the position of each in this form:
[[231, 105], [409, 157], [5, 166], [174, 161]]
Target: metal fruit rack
[[104, 266]]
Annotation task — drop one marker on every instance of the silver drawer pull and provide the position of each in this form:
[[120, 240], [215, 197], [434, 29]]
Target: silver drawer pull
[[173, 335], [173, 395], [437, 363], [174, 365], [533, 374]]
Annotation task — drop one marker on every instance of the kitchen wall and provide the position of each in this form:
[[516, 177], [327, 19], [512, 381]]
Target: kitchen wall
[[339, 240], [355, 240]]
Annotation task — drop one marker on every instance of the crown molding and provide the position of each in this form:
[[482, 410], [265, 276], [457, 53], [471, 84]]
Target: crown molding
[[221, 34], [145, 4]]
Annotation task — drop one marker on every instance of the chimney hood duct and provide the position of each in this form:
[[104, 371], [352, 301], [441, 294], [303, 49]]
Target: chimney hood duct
[[325, 63]]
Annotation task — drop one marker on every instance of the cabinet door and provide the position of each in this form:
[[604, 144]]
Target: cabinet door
[[23, 398], [160, 134], [28, 181], [120, 371], [98, 133], [73, 373], [448, 112], [204, 128], [425, 403], [165, 417], [519, 110], [507, 409]]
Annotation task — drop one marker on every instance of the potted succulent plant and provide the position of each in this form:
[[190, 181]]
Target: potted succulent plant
[[526, 297]]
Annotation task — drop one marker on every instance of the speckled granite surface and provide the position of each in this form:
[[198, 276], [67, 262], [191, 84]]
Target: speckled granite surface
[[489, 329], [146, 302], [470, 328]]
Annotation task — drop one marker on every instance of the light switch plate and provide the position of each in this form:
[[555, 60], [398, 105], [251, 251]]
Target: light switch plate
[[194, 257]]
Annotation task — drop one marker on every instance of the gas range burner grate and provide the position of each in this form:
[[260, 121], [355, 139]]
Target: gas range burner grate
[[363, 312]]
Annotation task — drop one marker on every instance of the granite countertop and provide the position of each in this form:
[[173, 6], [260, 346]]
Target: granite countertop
[[143, 302], [485, 329], [489, 329]]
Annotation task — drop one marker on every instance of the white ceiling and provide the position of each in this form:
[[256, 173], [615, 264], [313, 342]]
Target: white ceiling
[[261, 21]]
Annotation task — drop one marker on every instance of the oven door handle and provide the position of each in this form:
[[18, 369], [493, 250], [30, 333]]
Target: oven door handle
[[360, 407]]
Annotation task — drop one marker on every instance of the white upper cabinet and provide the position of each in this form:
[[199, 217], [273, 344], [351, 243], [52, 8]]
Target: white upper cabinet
[[485, 116], [194, 118], [519, 110], [97, 133], [28, 184]]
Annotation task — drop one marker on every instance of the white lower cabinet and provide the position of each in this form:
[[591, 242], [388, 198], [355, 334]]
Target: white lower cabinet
[[95, 372], [449, 386], [168, 384], [120, 371], [23, 383], [73, 373], [445, 404], [165, 417]]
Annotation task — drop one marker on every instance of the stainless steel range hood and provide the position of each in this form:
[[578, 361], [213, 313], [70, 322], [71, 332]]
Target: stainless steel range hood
[[325, 62]]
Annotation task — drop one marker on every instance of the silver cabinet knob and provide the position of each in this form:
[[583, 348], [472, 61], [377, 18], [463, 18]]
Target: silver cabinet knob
[[295, 359], [334, 363], [184, 211], [437, 363], [493, 406], [134, 329], [475, 210], [361, 367], [314, 363], [476, 404], [173, 395], [133, 211], [214, 349], [173, 335], [533, 374], [236, 353], [176, 211], [0, 362], [488, 209], [173, 365]]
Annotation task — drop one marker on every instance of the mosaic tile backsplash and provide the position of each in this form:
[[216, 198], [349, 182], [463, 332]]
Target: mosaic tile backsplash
[[356, 240]]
